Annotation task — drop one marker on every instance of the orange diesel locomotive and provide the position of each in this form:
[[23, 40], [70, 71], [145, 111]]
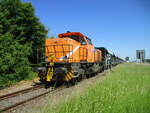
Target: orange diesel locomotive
[[70, 57]]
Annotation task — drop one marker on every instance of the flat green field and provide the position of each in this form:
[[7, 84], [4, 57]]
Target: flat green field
[[125, 90]]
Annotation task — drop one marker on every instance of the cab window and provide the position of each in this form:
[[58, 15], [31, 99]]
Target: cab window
[[83, 42], [74, 37], [78, 39], [89, 41]]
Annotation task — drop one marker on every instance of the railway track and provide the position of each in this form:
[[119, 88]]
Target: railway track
[[14, 100]]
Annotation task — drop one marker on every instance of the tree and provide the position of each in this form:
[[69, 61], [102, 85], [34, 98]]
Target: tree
[[127, 58], [14, 64], [21, 33], [19, 19]]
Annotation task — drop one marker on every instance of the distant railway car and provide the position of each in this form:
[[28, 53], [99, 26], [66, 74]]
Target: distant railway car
[[106, 57], [72, 57]]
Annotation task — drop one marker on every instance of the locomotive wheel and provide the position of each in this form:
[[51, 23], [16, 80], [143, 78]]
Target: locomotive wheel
[[47, 85], [74, 81], [87, 76], [79, 78], [68, 84], [84, 76]]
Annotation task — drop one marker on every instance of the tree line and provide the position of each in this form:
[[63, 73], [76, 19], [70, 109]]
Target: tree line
[[21, 33]]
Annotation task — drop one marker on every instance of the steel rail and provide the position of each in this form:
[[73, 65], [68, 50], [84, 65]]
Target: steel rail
[[32, 98], [3, 97]]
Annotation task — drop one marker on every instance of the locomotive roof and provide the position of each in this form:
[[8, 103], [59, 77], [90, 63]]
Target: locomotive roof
[[70, 34]]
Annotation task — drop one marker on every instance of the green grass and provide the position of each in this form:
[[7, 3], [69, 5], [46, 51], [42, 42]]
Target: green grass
[[3, 85], [125, 90], [31, 76]]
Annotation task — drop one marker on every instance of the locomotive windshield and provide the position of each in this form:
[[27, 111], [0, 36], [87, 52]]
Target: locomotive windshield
[[74, 37], [89, 40], [78, 39]]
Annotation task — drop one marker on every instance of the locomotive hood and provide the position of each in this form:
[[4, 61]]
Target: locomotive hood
[[62, 48]]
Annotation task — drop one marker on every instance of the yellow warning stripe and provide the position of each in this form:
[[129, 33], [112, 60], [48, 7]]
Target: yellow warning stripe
[[71, 75], [68, 76]]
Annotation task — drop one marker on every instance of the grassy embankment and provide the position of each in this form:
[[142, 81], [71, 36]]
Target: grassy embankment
[[125, 90]]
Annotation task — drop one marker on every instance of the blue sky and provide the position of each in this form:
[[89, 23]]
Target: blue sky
[[122, 26]]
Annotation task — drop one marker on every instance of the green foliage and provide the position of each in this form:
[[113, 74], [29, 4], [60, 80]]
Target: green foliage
[[125, 90], [14, 64], [19, 20], [127, 58], [21, 33]]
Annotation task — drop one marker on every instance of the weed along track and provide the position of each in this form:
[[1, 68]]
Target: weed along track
[[12, 101]]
